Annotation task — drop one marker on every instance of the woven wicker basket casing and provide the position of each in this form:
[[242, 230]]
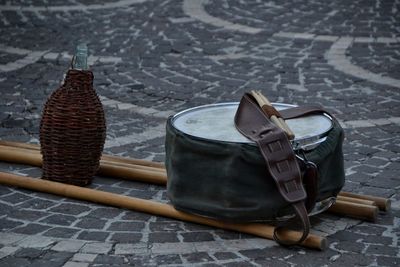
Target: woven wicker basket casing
[[72, 131]]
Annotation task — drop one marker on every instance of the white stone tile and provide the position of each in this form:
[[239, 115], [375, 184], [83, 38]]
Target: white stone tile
[[327, 38], [69, 245], [75, 264], [51, 56], [36, 241], [10, 238], [99, 248], [84, 257], [140, 248], [5, 251]]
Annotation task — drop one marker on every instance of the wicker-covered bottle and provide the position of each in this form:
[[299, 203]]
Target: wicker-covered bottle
[[72, 129]]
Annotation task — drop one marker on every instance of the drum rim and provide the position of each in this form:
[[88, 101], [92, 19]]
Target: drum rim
[[307, 143]]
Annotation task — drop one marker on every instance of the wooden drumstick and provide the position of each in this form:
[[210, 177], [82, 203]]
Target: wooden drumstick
[[265, 105], [282, 121], [152, 207], [261, 103]]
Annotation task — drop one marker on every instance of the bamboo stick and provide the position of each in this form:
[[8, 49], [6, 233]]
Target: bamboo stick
[[130, 173], [19, 144], [356, 200], [134, 161], [151, 207], [7, 150], [355, 210], [382, 203], [121, 170], [25, 154], [104, 156], [344, 205]]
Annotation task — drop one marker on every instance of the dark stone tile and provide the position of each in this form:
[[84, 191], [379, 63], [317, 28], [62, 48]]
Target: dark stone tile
[[105, 213], [353, 260], [136, 216], [4, 190], [14, 262], [91, 223], [59, 219], [197, 257], [126, 237], [70, 209], [382, 250], [61, 232], [109, 259], [388, 261], [126, 226], [28, 215], [166, 226], [31, 229], [93, 236], [197, 237], [8, 224], [225, 255], [167, 259], [163, 237], [15, 198], [30, 253], [37, 204]]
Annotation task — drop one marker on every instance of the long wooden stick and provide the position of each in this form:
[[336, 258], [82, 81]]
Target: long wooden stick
[[125, 171], [9, 152], [356, 200], [151, 207], [355, 210], [104, 156], [21, 153], [382, 203]]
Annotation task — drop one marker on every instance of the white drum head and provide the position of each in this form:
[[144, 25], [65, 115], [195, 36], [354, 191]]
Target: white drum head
[[216, 122]]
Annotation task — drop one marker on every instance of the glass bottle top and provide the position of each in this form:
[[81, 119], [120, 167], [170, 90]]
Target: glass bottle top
[[81, 56]]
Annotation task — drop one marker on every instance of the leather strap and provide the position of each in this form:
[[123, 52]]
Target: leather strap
[[301, 111], [280, 159]]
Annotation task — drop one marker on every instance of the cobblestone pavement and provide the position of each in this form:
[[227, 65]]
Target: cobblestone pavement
[[154, 58]]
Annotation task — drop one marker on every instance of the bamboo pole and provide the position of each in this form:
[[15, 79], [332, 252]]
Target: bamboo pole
[[104, 156], [382, 203], [356, 200], [344, 205], [151, 207], [121, 170], [355, 210], [8, 150]]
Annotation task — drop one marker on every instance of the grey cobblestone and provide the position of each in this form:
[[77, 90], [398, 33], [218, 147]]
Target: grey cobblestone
[[68, 245], [152, 59], [97, 248]]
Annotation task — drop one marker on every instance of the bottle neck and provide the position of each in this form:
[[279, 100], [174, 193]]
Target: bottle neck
[[81, 56]]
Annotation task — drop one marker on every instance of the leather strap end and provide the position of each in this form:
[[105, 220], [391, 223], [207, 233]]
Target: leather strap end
[[271, 111]]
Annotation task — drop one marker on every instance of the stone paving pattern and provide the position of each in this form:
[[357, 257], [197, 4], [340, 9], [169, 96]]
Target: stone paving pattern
[[152, 59]]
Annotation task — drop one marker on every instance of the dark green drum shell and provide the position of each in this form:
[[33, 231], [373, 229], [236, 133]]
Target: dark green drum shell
[[229, 181]]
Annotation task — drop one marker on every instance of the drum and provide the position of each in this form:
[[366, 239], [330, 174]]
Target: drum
[[215, 171], [215, 122]]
